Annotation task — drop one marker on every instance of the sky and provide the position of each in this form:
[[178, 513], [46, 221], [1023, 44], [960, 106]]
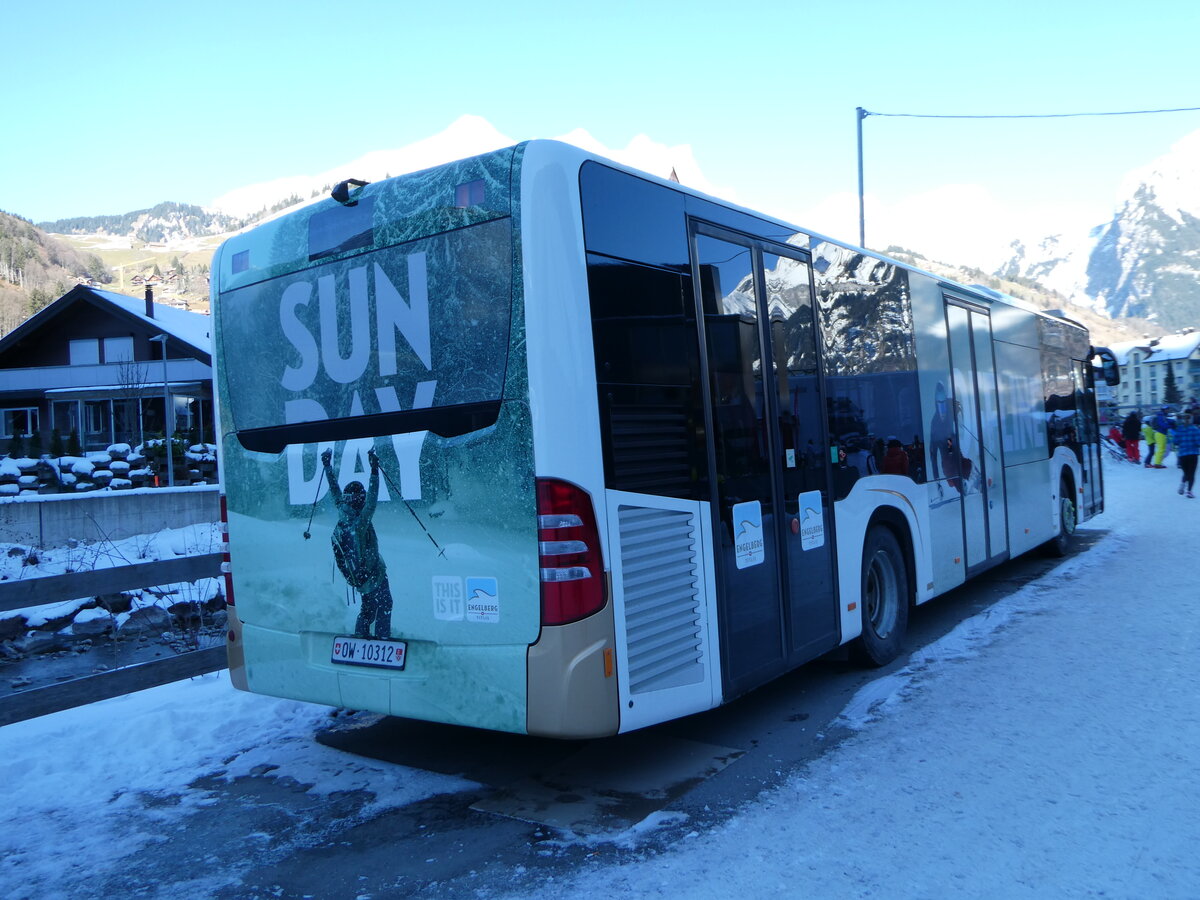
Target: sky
[[1043, 748], [112, 108]]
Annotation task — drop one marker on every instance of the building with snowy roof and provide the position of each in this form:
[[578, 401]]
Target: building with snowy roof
[[1145, 365], [106, 365]]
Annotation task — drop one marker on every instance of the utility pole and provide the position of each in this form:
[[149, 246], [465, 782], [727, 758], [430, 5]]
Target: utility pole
[[861, 114], [168, 412]]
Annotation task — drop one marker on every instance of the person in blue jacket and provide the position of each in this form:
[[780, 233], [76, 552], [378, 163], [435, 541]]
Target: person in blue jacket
[[1187, 446]]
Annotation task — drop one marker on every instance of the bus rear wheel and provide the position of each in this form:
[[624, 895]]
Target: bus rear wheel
[[884, 601], [1060, 545]]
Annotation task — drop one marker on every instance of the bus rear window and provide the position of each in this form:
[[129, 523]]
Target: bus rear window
[[422, 325], [340, 229]]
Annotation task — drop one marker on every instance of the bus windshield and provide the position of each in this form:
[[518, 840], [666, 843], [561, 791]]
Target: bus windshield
[[390, 342]]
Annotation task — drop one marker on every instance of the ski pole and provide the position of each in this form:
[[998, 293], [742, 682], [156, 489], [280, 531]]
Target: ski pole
[[312, 511], [396, 490]]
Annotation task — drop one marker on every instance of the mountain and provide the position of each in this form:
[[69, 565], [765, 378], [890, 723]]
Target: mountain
[[1144, 262], [164, 223], [1103, 329]]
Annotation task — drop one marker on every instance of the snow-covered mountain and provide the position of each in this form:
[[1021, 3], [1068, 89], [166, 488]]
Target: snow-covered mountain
[[1145, 261], [165, 223]]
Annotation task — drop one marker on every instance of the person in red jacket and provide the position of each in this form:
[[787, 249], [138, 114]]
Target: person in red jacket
[[895, 461]]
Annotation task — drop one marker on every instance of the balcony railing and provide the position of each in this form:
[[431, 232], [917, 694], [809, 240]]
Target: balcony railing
[[147, 374]]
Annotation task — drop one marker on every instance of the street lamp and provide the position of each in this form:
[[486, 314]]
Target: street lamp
[[168, 412]]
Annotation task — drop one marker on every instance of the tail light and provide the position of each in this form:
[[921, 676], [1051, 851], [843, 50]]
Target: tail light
[[225, 570], [569, 553]]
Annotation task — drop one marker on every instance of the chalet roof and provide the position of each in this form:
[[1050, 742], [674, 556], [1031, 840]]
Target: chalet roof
[[190, 327], [194, 330]]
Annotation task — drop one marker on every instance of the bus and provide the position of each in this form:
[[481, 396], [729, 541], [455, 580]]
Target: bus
[[539, 443]]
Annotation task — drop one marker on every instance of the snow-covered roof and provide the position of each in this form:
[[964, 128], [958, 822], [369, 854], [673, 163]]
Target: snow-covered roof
[[1175, 346], [1122, 350], [1168, 347], [192, 327]]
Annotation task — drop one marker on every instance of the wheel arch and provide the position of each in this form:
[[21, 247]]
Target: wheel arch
[[895, 521], [1068, 482]]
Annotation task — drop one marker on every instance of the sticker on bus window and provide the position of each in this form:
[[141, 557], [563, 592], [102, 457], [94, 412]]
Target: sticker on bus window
[[748, 534], [449, 600], [812, 521], [483, 600]]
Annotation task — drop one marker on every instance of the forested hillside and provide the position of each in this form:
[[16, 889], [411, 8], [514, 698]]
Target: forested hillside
[[36, 268]]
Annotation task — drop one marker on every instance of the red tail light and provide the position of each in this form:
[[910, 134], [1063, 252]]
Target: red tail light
[[569, 553], [225, 570]]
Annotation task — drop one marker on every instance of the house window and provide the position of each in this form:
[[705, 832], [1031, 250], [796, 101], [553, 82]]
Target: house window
[[20, 421], [118, 349], [85, 353], [97, 420]]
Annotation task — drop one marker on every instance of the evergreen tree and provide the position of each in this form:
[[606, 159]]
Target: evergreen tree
[[16, 448], [36, 450], [1171, 394], [74, 448], [56, 443]]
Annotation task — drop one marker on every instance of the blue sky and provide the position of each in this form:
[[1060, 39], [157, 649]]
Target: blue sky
[[114, 107]]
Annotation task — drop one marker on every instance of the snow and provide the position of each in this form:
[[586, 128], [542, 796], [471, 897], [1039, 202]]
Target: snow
[[190, 327], [75, 781], [1045, 747], [1172, 178], [170, 543]]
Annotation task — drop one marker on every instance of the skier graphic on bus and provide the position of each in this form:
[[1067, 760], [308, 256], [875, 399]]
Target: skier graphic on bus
[[356, 548]]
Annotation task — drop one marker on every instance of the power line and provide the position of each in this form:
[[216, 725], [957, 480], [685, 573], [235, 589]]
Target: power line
[[863, 113]]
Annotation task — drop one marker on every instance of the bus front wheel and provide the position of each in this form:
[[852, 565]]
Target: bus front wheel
[[884, 601]]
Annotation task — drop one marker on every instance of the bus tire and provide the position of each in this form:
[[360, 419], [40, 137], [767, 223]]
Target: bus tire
[[884, 601], [1060, 545]]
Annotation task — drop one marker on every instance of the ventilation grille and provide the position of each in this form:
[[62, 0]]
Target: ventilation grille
[[662, 609]]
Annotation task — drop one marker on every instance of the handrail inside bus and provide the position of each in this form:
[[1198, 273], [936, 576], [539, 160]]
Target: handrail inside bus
[[444, 421]]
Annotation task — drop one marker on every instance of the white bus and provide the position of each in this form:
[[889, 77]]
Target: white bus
[[538, 443]]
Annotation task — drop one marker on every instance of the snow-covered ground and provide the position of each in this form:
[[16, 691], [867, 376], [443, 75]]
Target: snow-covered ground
[[21, 561], [1045, 748]]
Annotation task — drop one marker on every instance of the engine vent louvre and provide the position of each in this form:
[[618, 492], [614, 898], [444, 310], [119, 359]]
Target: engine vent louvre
[[659, 576]]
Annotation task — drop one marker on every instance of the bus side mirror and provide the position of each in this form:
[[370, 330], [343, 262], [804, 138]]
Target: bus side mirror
[[1108, 366]]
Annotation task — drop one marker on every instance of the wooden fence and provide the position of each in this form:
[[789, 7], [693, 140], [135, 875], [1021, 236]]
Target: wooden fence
[[32, 592]]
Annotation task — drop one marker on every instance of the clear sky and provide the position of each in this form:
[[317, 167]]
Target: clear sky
[[114, 107]]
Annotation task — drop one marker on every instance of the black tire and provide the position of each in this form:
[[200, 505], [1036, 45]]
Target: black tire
[[884, 602], [1060, 545]]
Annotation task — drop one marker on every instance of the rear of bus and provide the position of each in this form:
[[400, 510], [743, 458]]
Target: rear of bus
[[390, 547]]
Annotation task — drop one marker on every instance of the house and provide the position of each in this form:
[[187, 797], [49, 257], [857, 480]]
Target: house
[[106, 365], [1144, 365]]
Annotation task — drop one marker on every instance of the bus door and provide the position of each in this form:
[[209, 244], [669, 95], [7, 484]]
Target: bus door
[[1088, 430], [980, 480], [771, 503]]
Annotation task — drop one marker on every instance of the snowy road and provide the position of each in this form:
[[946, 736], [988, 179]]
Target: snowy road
[[1043, 746]]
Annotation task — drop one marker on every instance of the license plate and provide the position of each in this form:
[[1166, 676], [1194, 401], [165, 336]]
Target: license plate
[[355, 651]]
